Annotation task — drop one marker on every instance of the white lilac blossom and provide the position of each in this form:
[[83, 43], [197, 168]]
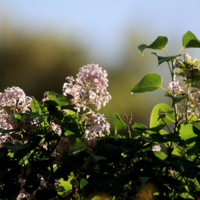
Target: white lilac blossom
[[15, 98], [156, 148], [88, 88]]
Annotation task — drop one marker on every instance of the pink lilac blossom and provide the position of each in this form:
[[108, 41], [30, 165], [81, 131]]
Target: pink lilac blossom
[[7, 122], [95, 126], [97, 123], [175, 86], [156, 148], [16, 98], [29, 125], [89, 87], [56, 128]]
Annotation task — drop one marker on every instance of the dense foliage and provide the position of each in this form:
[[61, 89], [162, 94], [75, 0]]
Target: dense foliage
[[48, 151]]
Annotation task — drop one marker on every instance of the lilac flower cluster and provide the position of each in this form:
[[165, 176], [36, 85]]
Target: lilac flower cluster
[[97, 123], [90, 87], [7, 122], [175, 87], [188, 69], [156, 148], [15, 99]]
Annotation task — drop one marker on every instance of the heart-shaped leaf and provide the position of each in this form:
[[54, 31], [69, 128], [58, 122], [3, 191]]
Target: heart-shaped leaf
[[168, 116], [150, 82], [159, 43], [162, 59], [189, 40]]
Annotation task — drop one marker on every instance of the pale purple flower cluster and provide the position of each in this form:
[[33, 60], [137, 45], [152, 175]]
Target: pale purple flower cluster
[[7, 122], [90, 87], [188, 69], [175, 86], [156, 148], [97, 123], [15, 98]]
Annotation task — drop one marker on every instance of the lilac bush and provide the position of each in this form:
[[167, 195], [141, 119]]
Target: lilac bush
[[48, 151]]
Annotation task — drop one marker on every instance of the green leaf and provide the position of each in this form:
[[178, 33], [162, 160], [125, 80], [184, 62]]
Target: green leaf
[[175, 100], [139, 127], [197, 124], [54, 109], [15, 148], [34, 115], [118, 123], [144, 179], [74, 130], [160, 155], [186, 131], [60, 99], [146, 139], [189, 40], [78, 145], [51, 95], [168, 117], [162, 59], [36, 107], [97, 158], [150, 82], [159, 43], [66, 184], [195, 149]]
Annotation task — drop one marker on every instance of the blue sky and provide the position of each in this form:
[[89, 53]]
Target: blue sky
[[103, 25]]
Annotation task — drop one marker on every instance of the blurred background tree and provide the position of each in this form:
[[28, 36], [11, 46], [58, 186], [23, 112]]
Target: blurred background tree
[[40, 62], [42, 42]]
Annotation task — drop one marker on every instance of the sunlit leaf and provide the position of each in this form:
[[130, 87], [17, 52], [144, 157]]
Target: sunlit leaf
[[60, 99], [160, 155], [168, 116], [150, 82], [139, 127], [189, 40], [118, 123]]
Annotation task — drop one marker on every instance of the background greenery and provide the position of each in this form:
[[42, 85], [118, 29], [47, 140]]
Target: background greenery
[[40, 62]]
